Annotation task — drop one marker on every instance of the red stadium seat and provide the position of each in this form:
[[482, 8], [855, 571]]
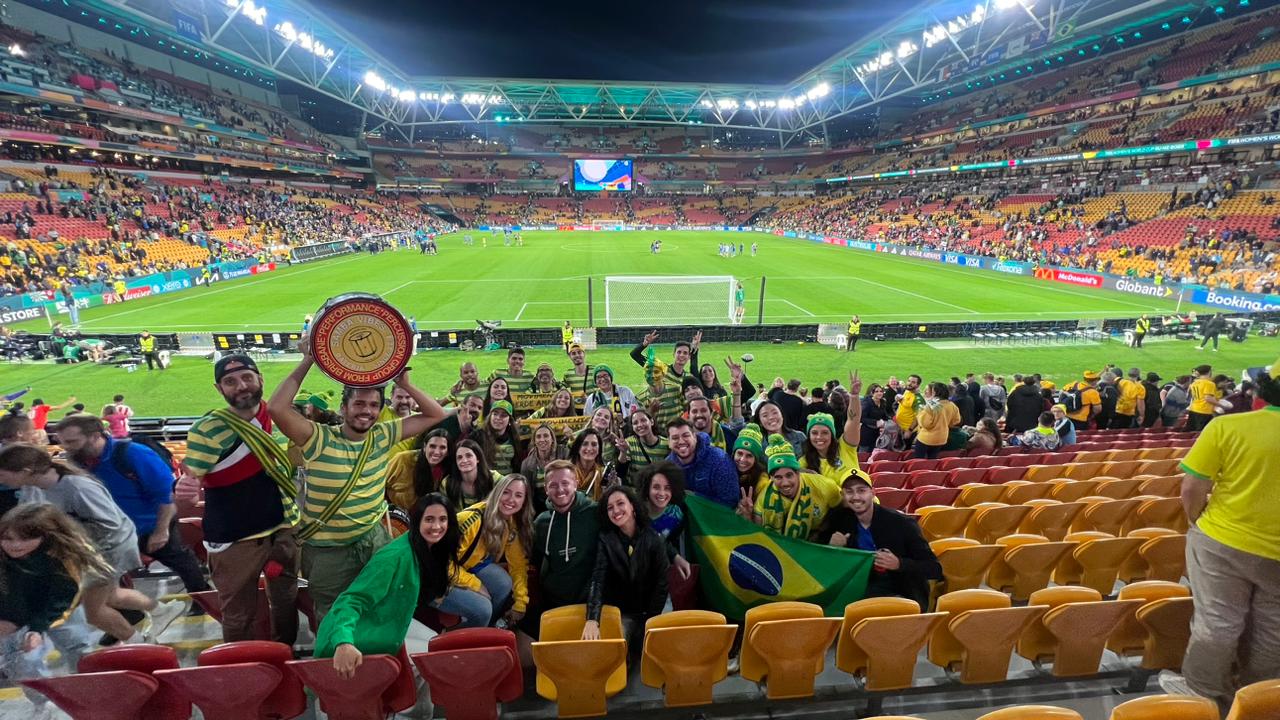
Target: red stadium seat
[[885, 466], [82, 695], [953, 463], [288, 700], [921, 478], [989, 461], [933, 495], [511, 686], [359, 698], [999, 475], [890, 479], [919, 464], [894, 498], [165, 704], [964, 476], [226, 692], [465, 681]]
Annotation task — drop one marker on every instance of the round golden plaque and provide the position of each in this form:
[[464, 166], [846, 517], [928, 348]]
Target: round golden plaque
[[359, 340]]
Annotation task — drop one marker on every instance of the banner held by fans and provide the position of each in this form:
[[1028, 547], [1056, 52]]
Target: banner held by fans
[[744, 565]]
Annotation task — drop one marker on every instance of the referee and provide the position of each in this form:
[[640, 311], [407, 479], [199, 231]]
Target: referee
[[855, 331]]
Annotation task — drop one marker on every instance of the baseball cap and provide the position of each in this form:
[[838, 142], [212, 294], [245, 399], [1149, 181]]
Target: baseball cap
[[1153, 377], [231, 363], [856, 476]]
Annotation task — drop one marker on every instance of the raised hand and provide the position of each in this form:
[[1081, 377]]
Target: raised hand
[[696, 342], [839, 539], [650, 339], [747, 503], [855, 384]]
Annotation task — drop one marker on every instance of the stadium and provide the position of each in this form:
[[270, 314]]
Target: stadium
[[992, 284]]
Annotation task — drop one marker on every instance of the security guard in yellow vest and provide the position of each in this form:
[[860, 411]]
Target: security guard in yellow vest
[[147, 344], [1140, 330], [566, 335], [855, 331]]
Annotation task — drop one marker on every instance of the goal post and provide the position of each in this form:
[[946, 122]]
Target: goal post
[[653, 300]]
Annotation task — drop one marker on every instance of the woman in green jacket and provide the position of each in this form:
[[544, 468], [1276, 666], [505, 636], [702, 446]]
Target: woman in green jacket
[[373, 614]]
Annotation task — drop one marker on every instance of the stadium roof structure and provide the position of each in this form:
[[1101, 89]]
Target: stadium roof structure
[[935, 46]]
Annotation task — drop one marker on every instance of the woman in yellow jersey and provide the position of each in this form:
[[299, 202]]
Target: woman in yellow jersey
[[828, 454], [496, 531]]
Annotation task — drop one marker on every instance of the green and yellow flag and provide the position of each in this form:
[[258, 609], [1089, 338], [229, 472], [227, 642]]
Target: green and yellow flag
[[743, 565]]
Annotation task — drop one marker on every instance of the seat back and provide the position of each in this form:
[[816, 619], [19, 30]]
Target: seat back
[[1165, 512], [1130, 636], [960, 476], [1033, 712], [995, 521], [849, 657], [1019, 492], [1166, 707], [1168, 466], [1067, 490], [1259, 700], [964, 566], [686, 661], [466, 681], [683, 591], [933, 495], [1167, 486], [891, 645], [986, 639], [1124, 468], [977, 493], [924, 478], [894, 498], [751, 665], [1083, 470], [938, 521], [1118, 488], [792, 651], [1080, 631], [890, 479], [165, 704], [81, 695], [1036, 640], [1026, 564], [1100, 561], [512, 686], [357, 698], [1050, 518], [1165, 557], [235, 691], [1106, 516], [288, 699], [1167, 624], [579, 673], [943, 649], [650, 673]]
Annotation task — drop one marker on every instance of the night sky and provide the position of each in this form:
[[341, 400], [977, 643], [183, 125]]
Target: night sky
[[733, 41]]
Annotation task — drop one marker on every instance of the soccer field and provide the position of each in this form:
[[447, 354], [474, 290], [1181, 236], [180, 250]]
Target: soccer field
[[544, 282]]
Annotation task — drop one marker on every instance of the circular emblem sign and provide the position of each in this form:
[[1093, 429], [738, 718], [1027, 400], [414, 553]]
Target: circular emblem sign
[[360, 340]]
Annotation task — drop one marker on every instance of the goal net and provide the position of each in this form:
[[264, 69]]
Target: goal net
[[651, 300]]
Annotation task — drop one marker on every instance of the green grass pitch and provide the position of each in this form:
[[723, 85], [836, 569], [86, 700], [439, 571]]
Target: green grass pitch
[[544, 283]]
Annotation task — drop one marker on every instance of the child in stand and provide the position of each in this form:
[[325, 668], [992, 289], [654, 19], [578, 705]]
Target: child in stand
[[44, 553]]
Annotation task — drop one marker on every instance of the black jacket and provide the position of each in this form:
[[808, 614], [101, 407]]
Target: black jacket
[[900, 535], [1022, 410], [871, 413], [792, 408], [635, 581]]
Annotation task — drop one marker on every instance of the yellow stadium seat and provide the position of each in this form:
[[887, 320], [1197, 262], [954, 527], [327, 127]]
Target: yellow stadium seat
[[1083, 470], [1032, 712], [1167, 486], [1120, 455], [1164, 512], [964, 561], [1042, 473], [979, 634], [1259, 700], [1167, 707], [1066, 490], [993, 520], [849, 657], [580, 671], [686, 661], [1050, 518], [751, 665], [1095, 561], [973, 494], [1103, 515], [655, 657], [1019, 492], [1074, 632], [1160, 453], [1161, 556], [1124, 468], [891, 645], [1026, 564], [1089, 456], [1117, 488], [1168, 466], [1130, 636], [792, 651], [565, 624], [938, 521]]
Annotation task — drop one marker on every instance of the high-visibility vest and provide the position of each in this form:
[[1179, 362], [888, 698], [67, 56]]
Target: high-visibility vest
[[147, 344], [566, 333], [855, 327]]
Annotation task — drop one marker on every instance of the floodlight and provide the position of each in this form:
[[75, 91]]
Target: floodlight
[[751, 104], [1005, 4], [407, 95], [375, 81], [16, 50], [786, 104]]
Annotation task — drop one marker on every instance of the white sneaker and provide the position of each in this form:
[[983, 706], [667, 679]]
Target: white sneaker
[[1174, 684], [734, 665], [164, 615]]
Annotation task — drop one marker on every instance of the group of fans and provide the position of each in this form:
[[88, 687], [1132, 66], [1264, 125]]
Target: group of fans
[[395, 508]]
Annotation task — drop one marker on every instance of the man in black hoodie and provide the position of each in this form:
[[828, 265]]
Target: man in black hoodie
[[1024, 406], [565, 538]]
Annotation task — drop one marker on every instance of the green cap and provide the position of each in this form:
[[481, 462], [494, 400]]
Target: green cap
[[821, 419], [781, 454], [601, 369], [751, 439], [504, 406]]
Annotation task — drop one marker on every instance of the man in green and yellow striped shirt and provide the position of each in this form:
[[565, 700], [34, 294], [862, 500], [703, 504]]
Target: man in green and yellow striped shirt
[[345, 498], [666, 388]]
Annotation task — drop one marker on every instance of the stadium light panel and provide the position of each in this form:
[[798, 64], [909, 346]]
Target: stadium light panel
[[406, 95], [751, 104], [17, 51], [786, 104], [375, 81]]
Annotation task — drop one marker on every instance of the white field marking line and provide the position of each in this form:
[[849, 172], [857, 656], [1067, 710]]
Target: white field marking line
[[522, 307], [914, 294], [806, 312], [401, 286], [207, 293], [993, 276]]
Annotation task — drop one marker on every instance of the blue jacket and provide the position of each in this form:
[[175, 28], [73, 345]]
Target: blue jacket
[[139, 498], [712, 473]]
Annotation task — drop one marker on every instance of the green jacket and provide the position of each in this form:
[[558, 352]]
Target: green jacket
[[374, 612], [564, 551]]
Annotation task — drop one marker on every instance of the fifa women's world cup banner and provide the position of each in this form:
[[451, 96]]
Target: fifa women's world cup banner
[[744, 565]]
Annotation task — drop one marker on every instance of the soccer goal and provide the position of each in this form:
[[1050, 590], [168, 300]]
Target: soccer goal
[[650, 300]]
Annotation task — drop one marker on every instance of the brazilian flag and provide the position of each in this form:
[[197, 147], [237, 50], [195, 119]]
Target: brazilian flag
[[743, 565]]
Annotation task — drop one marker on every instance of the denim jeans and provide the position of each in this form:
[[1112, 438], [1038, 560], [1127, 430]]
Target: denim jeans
[[475, 609], [19, 664]]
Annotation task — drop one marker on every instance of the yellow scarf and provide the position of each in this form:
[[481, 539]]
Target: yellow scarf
[[795, 518]]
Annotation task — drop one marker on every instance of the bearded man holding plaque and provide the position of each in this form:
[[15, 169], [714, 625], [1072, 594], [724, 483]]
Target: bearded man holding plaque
[[362, 343]]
